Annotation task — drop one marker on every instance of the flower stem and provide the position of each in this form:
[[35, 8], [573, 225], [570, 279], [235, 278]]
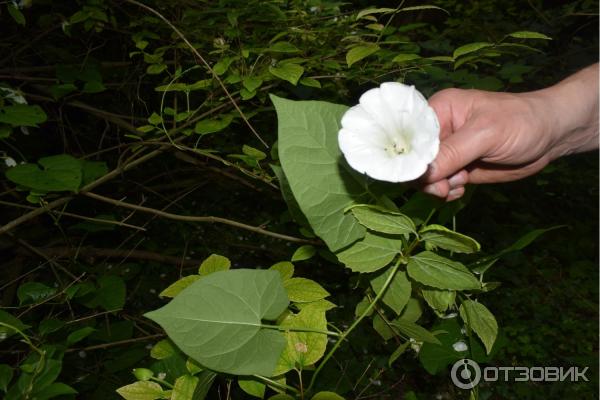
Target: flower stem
[[347, 332]]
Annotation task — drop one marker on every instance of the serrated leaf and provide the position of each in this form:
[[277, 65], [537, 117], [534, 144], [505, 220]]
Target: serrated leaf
[[481, 321], [432, 270], [440, 236], [324, 305], [214, 263], [304, 252], [414, 331], [529, 35], [285, 269], [470, 48], [287, 72], [321, 183], [303, 348], [142, 390], [360, 52], [218, 321], [398, 292], [383, 221], [302, 290], [371, 253], [439, 300]]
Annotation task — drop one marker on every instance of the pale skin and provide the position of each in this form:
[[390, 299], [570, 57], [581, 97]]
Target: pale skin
[[489, 137]]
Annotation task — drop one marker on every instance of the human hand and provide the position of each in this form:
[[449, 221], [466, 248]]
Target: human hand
[[491, 137]]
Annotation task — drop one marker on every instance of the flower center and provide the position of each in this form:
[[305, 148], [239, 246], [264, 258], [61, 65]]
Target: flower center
[[396, 146]]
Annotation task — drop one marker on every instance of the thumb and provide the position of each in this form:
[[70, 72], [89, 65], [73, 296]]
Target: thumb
[[458, 150]]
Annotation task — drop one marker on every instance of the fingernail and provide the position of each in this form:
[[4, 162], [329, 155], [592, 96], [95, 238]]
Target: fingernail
[[457, 180], [455, 193], [433, 190]]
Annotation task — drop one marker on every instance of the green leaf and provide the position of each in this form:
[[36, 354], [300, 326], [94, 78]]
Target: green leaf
[[302, 290], [370, 254], [92, 170], [155, 69], [323, 185], [414, 331], [398, 292], [143, 390], [527, 239], [370, 11], [379, 220], [529, 35], [207, 126], [324, 305], [439, 300], [357, 53], [217, 321], [287, 72], [440, 236], [214, 263], [222, 66], [383, 328], [253, 152], [327, 396], [303, 348], [413, 311], [285, 269], [310, 82], [163, 349], [79, 335], [304, 253], [184, 387], [6, 374], [435, 357], [400, 58], [143, 374], [398, 352], [33, 292], [432, 270], [60, 173], [252, 83], [423, 7], [22, 115], [55, 389], [253, 387], [16, 14], [281, 396], [176, 287], [288, 196], [110, 294], [470, 48], [481, 321], [283, 47]]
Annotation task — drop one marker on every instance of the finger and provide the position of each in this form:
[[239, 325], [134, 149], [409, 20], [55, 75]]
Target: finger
[[450, 106], [456, 193], [438, 189], [490, 173], [459, 150]]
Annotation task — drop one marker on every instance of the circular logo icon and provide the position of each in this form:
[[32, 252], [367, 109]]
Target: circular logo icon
[[465, 374]]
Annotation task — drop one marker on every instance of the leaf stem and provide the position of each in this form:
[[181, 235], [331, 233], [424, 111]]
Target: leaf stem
[[290, 329], [276, 384], [347, 332]]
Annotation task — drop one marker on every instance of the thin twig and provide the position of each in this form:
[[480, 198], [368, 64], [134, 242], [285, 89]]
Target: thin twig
[[206, 64], [188, 218], [118, 343]]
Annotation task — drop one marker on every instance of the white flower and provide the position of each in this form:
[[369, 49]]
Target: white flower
[[460, 346], [391, 135], [10, 162]]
